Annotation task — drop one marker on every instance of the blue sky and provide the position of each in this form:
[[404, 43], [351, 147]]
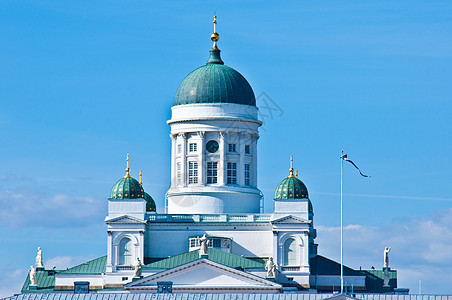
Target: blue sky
[[83, 83]]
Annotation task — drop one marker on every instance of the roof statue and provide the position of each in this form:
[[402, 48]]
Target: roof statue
[[137, 268], [270, 267], [32, 276], [203, 245], [38, 259], [386, 257]]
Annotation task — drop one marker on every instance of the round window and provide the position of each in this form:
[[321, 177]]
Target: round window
[[212, 146]]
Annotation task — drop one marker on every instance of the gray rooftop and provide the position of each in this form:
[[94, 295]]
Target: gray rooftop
[[147, 296]]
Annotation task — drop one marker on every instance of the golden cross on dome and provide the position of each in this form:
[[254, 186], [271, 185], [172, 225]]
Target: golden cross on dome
[[291, 167], [140, 178], [127, 169], [215, 36]]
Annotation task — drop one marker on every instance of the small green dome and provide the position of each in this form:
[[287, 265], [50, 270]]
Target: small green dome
[[150, 204], [215, 83], [291, 188], [127, 188]]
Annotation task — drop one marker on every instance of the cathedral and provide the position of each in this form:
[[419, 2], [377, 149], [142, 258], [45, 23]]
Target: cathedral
[[212, 235]]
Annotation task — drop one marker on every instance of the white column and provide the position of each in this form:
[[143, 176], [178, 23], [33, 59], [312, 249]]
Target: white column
[[279, 251], [109, 251], [305, 252], [275, 248], [183, 137], [222, 163], [173, 160], [241, 162], [201, 150], [140, 253], [115, 251], [253, 170]]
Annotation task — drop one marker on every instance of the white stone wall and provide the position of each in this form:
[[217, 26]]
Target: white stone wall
[[249, 240], [132, 207], [296, 207], [66, 281]]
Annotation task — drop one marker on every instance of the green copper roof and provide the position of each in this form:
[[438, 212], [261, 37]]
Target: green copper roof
[[215, 83], [291, 188], [150, 204], [380, 274], [218, 256], [45, 281], [95, 266], [127, 188]]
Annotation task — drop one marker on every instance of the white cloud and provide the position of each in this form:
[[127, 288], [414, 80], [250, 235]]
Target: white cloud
[[64, 262], [12, 281], [25, 208], [420, 249]]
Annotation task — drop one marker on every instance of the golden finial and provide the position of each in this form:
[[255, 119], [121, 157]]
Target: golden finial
[[215, 36], [291, 167], [140, 178], [296, 173], [127, 169]]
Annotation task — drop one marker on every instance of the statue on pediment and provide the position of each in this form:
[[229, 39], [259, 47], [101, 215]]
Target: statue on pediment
[[32, 276], [386, 257], [270, 267], [38, 259], [203, 245], [137, 268]]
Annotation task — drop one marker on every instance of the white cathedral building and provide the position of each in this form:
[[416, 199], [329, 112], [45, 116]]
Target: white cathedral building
[[211, 236]]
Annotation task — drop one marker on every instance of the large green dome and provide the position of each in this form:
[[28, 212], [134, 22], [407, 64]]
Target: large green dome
[[127, 188], [215, 83]]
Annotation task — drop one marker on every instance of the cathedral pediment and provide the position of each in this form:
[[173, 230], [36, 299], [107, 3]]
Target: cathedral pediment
[[204, 275], [290, 220], [125, 219]]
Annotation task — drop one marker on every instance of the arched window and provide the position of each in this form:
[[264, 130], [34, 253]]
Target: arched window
[[125, 251], [290, 253]]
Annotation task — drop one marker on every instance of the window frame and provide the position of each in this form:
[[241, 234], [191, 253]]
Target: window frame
[[192, 147], [178, 173], [193, 174], [211, 172], [231, 172], [247, 174]]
